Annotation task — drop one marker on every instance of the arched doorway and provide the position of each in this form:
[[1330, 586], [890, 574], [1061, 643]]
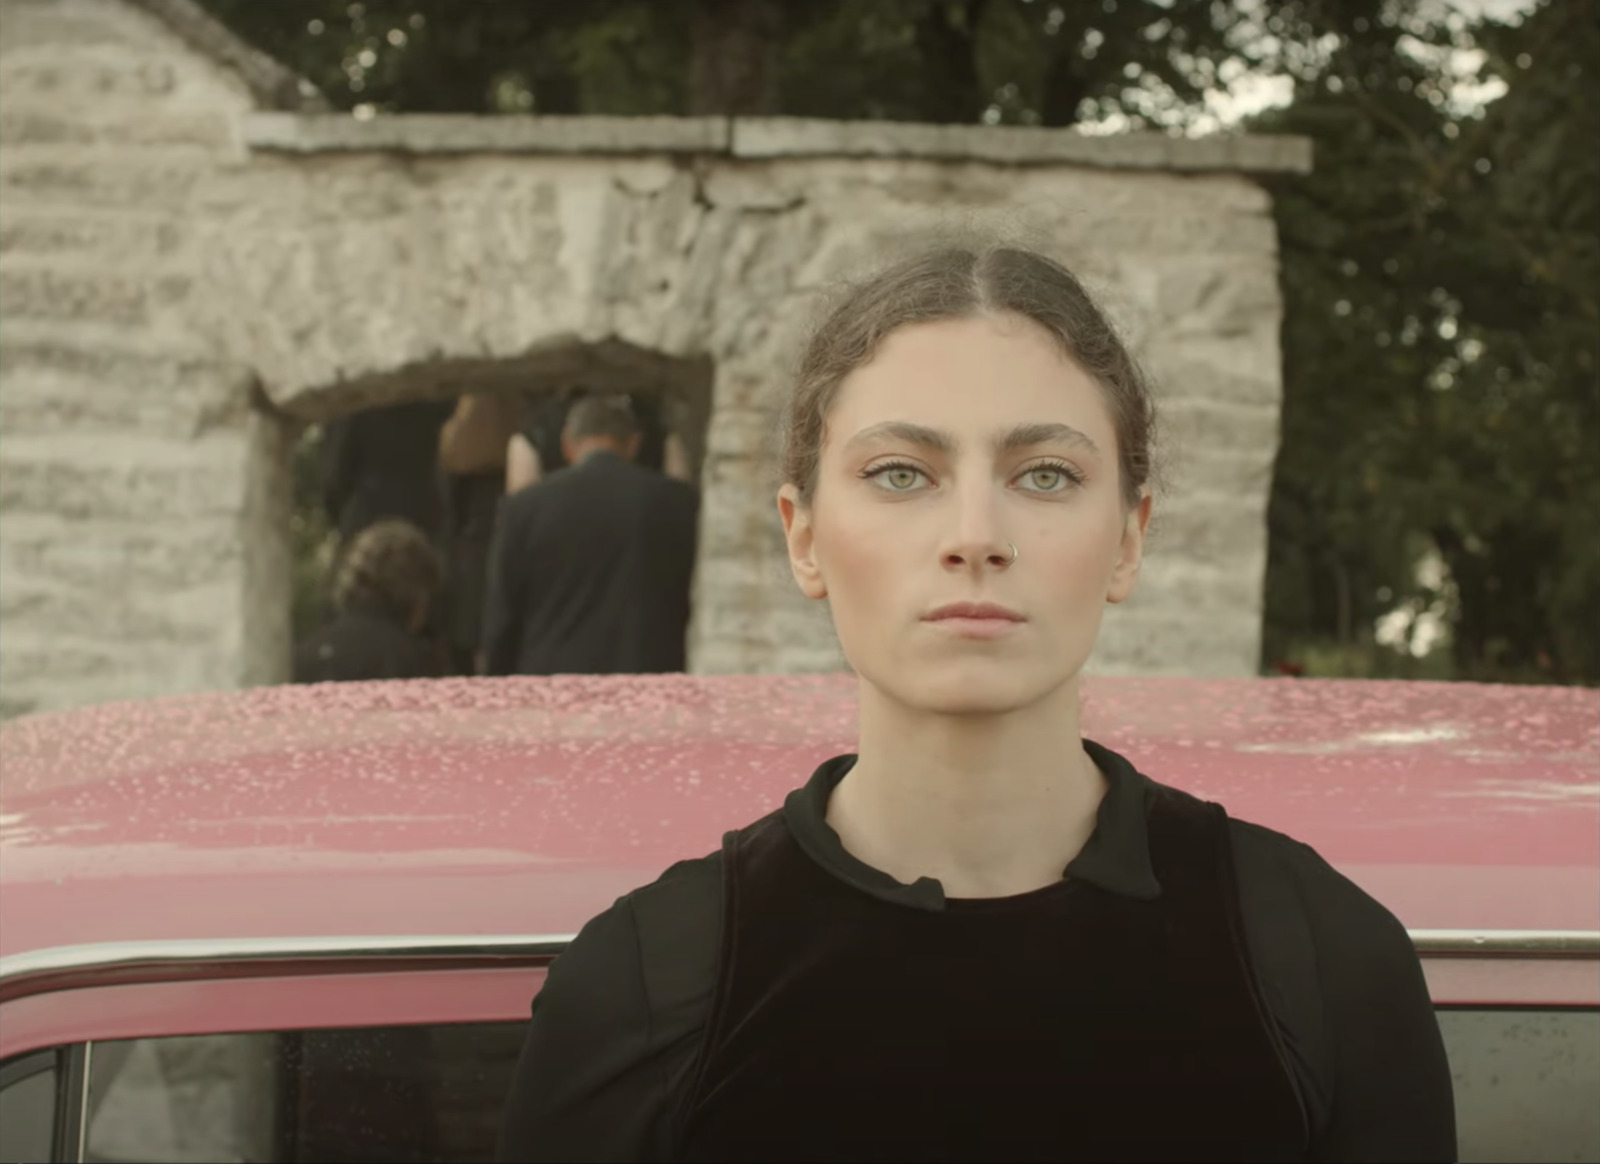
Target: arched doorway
[[673, 395]]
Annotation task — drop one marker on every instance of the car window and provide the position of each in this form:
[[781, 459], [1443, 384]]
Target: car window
[[373, 1095], [1525, 1083], [28, 1107]]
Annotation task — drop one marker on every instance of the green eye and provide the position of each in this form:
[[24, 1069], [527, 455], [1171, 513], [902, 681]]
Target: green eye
[[1052, 478], [895, 477]]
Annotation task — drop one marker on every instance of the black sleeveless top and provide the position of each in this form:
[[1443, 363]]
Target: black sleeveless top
[[1193, 984], [1019, 1028]]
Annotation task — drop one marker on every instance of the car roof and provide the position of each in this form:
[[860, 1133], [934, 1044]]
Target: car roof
[[527, 805]]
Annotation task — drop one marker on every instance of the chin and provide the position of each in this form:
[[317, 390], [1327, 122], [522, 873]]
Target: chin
[[976, 690]]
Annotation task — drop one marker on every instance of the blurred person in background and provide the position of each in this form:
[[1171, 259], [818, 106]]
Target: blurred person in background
[[387, 583], [535, 448], [591, 565], [473, 447], [382, 462]]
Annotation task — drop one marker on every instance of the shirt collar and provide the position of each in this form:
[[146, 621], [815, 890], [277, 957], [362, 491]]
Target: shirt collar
[[1115, 858]]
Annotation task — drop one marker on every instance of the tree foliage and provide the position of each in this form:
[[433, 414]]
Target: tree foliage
[[1440, 271], [1018, 61], [1439, 267]]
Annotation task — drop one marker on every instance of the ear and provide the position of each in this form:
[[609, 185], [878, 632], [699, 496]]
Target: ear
[[1130, 551], [567, 448], [797, 532]]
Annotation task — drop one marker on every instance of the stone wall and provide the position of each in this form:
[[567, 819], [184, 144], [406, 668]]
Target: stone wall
[[142, 531], [185, 274]]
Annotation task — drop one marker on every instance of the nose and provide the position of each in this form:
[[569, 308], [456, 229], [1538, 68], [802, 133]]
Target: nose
[[976, 541]]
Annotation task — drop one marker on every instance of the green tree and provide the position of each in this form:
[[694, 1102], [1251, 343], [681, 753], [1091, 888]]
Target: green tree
[[1439, 272], [1022, 61]]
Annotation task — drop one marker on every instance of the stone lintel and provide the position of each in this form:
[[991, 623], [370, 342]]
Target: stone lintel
[[1018, 145], [771, 138], [445, 133]]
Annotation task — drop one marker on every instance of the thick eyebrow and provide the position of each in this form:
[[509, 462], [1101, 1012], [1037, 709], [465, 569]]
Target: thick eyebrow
[[1022, 436]]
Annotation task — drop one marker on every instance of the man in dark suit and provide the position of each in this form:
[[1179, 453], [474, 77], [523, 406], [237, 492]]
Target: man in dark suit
[[591, 565]]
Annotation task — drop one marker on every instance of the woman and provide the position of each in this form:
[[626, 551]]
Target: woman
[[981, 936], [384, 591]]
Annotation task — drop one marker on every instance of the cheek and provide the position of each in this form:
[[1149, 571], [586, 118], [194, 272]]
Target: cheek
[[864, 552], [1078, 554]]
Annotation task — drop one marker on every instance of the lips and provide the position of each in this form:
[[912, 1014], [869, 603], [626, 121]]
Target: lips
[[975, 611]]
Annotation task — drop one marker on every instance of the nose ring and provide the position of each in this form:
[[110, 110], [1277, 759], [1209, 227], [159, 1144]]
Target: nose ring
[[1013, 557]]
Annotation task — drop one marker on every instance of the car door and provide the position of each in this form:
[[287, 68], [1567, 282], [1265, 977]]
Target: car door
[[407, 1064]]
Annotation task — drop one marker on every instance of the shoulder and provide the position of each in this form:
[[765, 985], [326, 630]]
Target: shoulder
[[522, 504], [682, 495], [1346, 923], [686, 898], [655, 948], [653, 482]]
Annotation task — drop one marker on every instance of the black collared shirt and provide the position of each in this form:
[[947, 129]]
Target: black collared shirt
[[619, 1021]]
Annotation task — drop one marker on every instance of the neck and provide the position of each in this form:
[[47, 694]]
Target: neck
[[989, 805], [584, 451]]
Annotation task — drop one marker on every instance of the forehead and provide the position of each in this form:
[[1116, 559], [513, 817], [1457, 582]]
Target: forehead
[[968, 375]]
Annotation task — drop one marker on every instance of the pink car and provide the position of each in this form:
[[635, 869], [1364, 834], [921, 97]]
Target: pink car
[[306, 923]]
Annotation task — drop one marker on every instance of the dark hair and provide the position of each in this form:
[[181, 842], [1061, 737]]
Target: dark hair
[[389, 565], [956, 282], [610, 417]]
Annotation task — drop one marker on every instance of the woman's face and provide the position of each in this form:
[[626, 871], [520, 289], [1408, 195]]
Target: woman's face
[[958, 438]]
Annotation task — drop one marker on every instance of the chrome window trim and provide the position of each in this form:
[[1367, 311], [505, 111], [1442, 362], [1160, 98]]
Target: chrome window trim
[[1506, 943], [83, 1100], [62, 967]]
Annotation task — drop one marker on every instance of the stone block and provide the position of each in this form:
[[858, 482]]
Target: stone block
[[754, 186], [423, 133], [66, 293], [1184, 233], [53, 673], [65, 76], [169, 398], [1015, 145], [1197, 428], [86, 476], [49, 24], [266, 578], [741, 436], [1216, 646], [140, 555], [1241, 472], [41, 233], [1219, 299], [52, 178], [1214, 531], [209, 131], [1169, 581], [1215, 369], [183, 619]]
